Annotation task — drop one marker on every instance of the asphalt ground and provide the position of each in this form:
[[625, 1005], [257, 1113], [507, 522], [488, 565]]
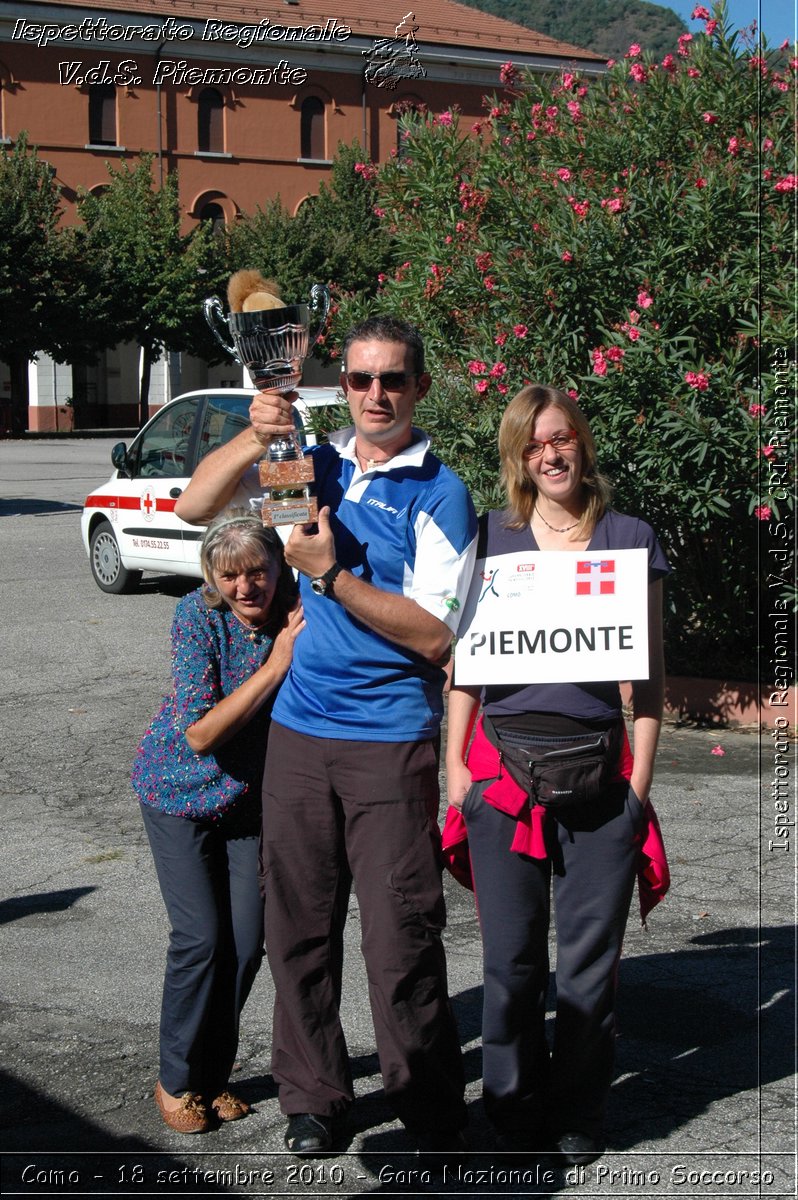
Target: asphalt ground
[[703, 1102]]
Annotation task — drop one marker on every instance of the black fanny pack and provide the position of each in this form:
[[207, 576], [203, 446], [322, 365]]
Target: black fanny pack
[[558, 772]]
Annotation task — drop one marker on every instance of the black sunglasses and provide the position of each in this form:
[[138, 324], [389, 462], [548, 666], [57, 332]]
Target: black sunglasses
[[392, 381]]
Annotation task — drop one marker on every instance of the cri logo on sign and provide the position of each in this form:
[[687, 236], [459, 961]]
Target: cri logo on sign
[[147, 505]]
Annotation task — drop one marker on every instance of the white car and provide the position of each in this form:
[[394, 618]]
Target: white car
[[129, 524]]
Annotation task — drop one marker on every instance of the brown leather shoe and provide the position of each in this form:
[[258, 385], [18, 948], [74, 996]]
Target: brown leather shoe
[[191, 1117], [229, 1107]]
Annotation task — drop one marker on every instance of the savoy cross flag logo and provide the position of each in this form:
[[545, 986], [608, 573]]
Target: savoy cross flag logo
[[595, 577]]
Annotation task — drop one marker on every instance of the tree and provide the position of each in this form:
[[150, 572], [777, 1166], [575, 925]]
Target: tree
[[154, 277], [335, 238], [29, 266], [627, 239]]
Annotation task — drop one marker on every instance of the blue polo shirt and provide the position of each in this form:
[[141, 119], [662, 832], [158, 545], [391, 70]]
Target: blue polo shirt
[[407, 527]]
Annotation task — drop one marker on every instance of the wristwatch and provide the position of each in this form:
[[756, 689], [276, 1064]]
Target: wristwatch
[[323, 585]]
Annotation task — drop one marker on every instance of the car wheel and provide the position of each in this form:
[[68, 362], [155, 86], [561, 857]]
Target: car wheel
[[106, 562]]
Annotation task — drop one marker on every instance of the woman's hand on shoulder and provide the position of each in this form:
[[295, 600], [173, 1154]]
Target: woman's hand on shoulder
[[283, 649]]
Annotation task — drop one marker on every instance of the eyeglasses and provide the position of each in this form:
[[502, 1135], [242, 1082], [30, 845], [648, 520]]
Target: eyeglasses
[[392, 381], [560, 442]]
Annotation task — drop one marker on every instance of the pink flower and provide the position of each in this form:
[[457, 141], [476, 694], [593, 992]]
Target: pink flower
[[669, 63], [693, 72], [482, 386], [568, 81], [444, 118], [632, 333], [573, 393], [634, 316], [643, 299], [367, 170], [508, 73], [500, 339], [484, 262], [756, 410], [615, 354], [633, 51], [599, 362], [575, 109], [767, 144], [733, 146], [700, 13], [718, 751], [520, 331], [476, 127], [638, 73], [564, 174], [490, 283], [766, 452], [378, 212], [610, 63], [566, 256], [710, 27], [613, 206], [497, 370], [788, 184], [710, 118], [503, 388], [698, 380], [700, 182], [476, 367], [763, 512], [579, 207], [684, 44]]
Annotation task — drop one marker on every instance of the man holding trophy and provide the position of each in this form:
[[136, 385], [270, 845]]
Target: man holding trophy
[[351, 777]]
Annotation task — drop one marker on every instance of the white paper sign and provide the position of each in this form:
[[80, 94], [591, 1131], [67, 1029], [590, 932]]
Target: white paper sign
[[555, 617]]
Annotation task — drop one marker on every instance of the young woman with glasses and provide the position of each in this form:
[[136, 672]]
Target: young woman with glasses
[[540, 1098]]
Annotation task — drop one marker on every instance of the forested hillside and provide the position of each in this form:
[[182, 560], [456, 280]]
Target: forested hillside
[[608, 27]]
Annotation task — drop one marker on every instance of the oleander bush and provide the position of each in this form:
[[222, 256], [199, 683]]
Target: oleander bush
[[627, 238]]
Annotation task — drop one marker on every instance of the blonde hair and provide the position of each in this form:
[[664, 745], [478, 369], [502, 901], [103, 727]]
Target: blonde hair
[[515, 430], [236, 539]]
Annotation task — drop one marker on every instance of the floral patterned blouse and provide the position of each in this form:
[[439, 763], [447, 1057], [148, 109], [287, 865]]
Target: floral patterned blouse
[[212, 654]]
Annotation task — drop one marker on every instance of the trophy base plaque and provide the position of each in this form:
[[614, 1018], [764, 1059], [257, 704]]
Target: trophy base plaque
[[287, 499]]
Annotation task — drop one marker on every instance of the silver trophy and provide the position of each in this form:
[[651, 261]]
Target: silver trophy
[[273, 343]]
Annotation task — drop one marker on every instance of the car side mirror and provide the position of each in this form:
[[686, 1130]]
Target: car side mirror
[[119, 457]]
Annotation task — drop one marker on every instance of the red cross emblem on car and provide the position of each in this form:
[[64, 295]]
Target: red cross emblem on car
[[147, 504]]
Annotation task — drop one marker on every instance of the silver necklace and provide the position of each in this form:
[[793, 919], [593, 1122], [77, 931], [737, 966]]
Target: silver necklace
[[552, 527]]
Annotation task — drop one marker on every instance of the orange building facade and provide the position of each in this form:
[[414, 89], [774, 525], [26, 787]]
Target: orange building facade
[[245, 103]]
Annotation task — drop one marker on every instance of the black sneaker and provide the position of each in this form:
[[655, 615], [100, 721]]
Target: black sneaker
[[578, 1149], [307, 1134], [438, 1148], [521, 1144]]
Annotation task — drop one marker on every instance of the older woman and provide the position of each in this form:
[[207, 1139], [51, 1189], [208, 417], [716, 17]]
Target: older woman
[[537, 1098], [198, 774]]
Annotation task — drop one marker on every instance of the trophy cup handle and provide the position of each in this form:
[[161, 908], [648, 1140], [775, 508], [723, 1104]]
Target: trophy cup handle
[[319, 307], [215, 317]]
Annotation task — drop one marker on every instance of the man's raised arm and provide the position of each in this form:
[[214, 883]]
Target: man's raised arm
[[218, 475]]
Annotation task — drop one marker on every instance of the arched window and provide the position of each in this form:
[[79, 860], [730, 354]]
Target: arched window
[[210, 122], [312, 128], [404, 108], [213, 214], [102, 114]]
